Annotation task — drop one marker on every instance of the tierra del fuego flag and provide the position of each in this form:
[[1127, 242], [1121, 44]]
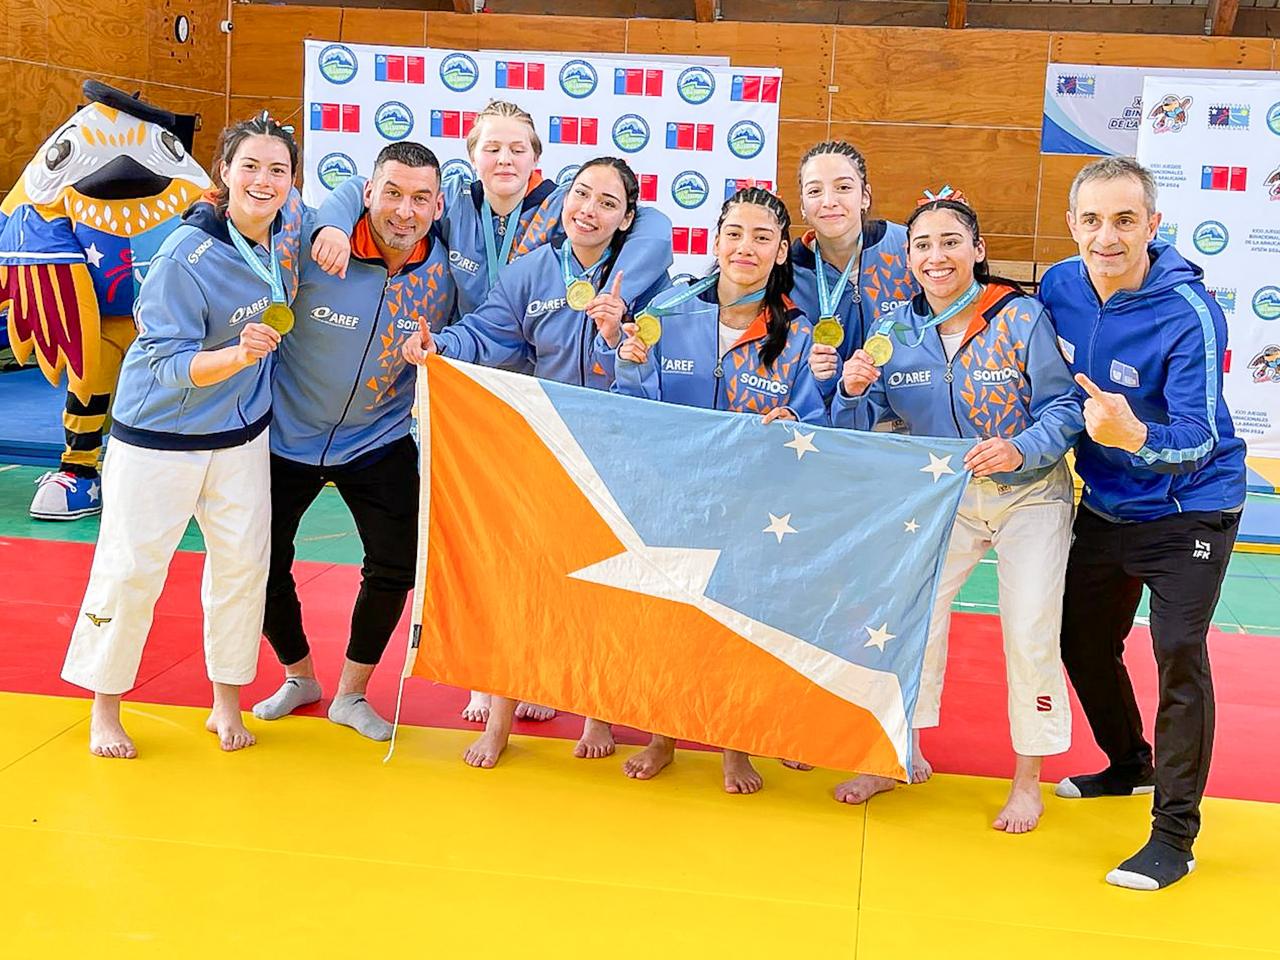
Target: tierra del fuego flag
[[683, 571]]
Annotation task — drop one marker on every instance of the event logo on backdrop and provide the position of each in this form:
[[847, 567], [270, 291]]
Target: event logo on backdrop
[[1099, 110], [1218, 178], [684, 129]]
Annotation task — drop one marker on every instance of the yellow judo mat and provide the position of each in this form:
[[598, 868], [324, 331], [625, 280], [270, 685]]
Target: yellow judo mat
[[307, 845]]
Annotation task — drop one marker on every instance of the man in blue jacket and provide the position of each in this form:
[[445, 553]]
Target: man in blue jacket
[[1164, 480], [342, 399]]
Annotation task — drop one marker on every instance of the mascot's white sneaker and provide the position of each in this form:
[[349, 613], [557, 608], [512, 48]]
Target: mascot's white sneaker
[[64, 496]]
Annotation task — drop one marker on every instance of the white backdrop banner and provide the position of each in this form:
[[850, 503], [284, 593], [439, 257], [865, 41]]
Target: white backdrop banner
[[693, 131], [1098, 110], [1214, 148]]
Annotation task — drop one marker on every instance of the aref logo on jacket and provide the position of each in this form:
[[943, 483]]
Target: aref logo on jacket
[[1171, 114], [1234, 179], [1266, 303], [456, 167], [691, 136], [399, 68], [637, 82], [335, 169], [538, 308], [578, 79], [1229, 116], [1225, 297], [335, 117], [464, 263], [689, 189], [911, 378], [240, 314], [630, 133], [326, 314], [745, 139], [338, 64], [1211, 237], [394, 120], [733, 184], [1076, 85], [754, 88], [459, 72], [681, 366], [519, 75], [696, 85], [584, 131], [454, 124]]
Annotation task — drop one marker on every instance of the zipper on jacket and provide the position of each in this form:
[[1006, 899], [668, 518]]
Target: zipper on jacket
[[588, 327], [949, 379], [373, 332]]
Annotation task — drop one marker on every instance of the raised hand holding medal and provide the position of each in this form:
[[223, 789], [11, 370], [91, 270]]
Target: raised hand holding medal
[[578, 290], [277, 315]]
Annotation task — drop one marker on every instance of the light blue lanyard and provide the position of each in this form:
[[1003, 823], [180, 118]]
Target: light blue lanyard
[[270, 277], [495, 260], [829, 300], [566, 251], [965, 299], [688, 293]]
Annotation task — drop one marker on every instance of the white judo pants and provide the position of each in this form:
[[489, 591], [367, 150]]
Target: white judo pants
[[1030, 528], [148, 496]]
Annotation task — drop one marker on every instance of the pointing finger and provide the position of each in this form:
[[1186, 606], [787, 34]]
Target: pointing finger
[[616, 289], [1089, 386]]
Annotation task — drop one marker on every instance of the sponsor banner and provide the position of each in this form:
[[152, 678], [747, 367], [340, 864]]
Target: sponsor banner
[[1214, 149], [693, 130], [1098, 110]]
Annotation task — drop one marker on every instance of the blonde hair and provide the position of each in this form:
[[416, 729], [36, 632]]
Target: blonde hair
[[503, 108]]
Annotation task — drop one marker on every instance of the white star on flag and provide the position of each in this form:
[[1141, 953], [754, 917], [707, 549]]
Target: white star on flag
[[938, 466], [779, 526], [911, 526], [93, 255], [802, 443], [879, 637]]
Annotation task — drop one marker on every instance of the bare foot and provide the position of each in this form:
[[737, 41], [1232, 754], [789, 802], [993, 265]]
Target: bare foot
[[1023, 809], [862, 788], [739, 775], [532, 711], [486, 750], [795, 764], [230, 728], [596, 740], [107, 737], [477, 708], [921, 769], [650, 761]]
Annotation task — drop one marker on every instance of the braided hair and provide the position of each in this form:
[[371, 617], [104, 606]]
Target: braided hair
[[839, 148], [781, 276], [231, 139]]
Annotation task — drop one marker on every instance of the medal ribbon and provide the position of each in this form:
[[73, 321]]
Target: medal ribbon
[[964, 300], [496, 261], [829, 300], [566, 252], [270, 277]]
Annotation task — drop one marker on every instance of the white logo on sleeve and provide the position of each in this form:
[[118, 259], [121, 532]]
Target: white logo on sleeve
[[1068, 350], [1201, 551]]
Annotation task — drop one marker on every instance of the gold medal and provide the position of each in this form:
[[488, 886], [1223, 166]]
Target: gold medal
[[648, 329], [579, 294], [880, 348], [829, 332], [278, 317]]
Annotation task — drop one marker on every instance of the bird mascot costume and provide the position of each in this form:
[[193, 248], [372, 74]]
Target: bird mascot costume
[[77, 232]]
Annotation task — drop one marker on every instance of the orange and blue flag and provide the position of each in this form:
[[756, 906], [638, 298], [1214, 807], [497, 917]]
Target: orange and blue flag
[[689, 572]]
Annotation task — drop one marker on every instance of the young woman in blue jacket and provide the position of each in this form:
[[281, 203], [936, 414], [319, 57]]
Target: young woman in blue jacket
[[557, 310], [972, 356], [732, 341], [189, 436]]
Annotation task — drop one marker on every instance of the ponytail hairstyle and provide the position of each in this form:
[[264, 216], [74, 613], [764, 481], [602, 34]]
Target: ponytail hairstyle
[[840, 148], [781, 277], [502, 108], [948, 199], [231, 139], [631, 190]]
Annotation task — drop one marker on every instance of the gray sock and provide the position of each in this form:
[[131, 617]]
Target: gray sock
[[354, 711], [295, 692]]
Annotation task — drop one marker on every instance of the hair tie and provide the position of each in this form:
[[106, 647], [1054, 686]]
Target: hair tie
[[947, 192], [268, 118]]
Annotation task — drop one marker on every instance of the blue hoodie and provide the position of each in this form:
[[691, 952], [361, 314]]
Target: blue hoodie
[[525, 323], [197, 295], [342, 390], [685, 365], [1162, 347], [885, 283], [1006, 380], [644, 260]]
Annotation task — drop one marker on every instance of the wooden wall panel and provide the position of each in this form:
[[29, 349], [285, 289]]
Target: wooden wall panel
[[266, 46], [201, 62], [979, 77], [1056, 173], [803, 51], [794, 138], [403, 27], [115, 45], [24, 29], [41, 97], [1136, 50], [467, 32]]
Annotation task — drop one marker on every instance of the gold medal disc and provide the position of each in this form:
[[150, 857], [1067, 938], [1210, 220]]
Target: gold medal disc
[[829, 332], [648, 329], [880, 348], [279, 318], [579, 294]]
